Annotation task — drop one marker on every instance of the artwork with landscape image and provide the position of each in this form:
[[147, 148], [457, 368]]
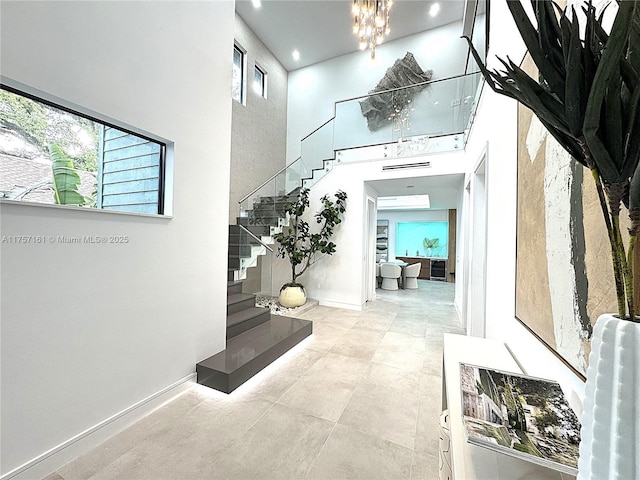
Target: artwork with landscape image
[[522, 416]]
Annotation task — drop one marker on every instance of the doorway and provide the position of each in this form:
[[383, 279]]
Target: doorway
[[370, 249], [476, 251]]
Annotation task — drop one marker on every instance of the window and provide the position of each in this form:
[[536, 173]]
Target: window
[[237, 91], [51, 154], [425, 239], [260, 82]]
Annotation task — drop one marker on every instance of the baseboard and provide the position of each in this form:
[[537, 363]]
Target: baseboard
[[346, 306], [51, 460]]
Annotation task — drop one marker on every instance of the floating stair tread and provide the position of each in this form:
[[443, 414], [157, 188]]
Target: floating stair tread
[[233, 287], [250, 345], [244, 315], [239, 297]]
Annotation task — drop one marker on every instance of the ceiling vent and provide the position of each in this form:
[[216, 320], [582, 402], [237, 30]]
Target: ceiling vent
[[404, 166]]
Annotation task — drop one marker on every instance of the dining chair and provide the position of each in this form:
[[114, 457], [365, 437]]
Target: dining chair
[[390, 274], [411, 274]]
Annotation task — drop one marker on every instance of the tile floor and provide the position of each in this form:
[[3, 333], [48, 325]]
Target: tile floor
[[359, 399]]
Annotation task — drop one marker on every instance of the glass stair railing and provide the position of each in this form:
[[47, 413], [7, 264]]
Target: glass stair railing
[[247, 250], [427, 113], [430, 117], [421, 119]]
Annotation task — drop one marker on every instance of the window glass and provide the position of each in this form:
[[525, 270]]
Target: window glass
[[238, 74], [259, 82], [422, 239], [49, 154]]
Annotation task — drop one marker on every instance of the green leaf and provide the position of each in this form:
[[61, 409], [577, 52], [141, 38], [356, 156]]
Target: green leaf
[[551, 35], [65, 178], [592, 48], [607, 68], [298, 244], [575, 96], [536, 98], [430, 242], [532, 41], [612, 129]]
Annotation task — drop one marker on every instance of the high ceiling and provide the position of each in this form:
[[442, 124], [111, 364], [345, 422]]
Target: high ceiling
[[322, 29]]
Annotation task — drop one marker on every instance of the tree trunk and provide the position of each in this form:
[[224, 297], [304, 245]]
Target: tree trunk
[[636, 276]]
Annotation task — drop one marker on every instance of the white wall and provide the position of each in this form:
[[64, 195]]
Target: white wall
[[90, 330], [395, 216], [462, 215], [340, 280], [496, 123], [259, 126], [314, 90]]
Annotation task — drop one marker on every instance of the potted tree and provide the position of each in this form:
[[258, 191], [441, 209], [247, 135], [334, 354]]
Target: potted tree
[[587, 95], [301, 247]]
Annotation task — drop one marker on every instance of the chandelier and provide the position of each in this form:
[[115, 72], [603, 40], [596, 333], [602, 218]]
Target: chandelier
[[371, 22]]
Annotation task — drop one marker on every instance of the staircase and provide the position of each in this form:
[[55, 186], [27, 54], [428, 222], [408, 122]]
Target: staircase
[[255, 338]]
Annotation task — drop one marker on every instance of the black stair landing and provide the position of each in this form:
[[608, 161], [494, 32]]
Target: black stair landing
[[251, 351]]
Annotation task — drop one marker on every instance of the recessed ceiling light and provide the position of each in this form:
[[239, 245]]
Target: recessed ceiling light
[[435, 8], [296, 55], [256, 3]]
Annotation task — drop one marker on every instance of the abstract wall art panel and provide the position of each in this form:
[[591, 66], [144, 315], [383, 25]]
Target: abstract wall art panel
[[563, 267]]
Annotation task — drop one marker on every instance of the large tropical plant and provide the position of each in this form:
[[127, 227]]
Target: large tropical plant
[[587, 95], [65, 179], [297, 243]]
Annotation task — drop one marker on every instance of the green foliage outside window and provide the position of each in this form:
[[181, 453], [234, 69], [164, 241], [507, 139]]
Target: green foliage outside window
[[39, 125]]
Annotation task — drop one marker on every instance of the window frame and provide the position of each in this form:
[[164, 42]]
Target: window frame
[[243, 74], [263, 85], [166, 148]]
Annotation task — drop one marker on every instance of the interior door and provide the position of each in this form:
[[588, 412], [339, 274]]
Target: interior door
[[370, 250], [476, 309]]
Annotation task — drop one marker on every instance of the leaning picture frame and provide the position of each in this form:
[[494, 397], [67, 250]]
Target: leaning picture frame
[[521, 416]]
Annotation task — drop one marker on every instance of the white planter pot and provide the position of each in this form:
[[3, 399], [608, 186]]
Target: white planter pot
[[292, 297], [610, 434]]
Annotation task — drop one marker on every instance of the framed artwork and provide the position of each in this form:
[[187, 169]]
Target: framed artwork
[[525, 417], [564, 278]]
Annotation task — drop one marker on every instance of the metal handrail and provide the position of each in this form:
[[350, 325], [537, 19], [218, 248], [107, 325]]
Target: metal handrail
[[391, 90]]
